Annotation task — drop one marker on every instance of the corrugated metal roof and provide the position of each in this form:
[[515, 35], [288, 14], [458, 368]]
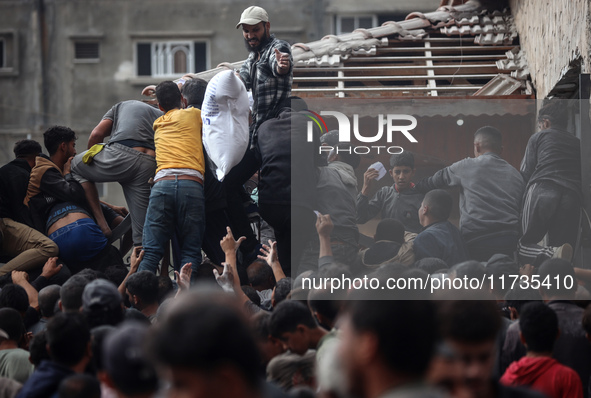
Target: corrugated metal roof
[[452, 51]]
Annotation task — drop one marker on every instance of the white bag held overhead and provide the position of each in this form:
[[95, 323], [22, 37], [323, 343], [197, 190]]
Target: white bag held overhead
[[225, 121]]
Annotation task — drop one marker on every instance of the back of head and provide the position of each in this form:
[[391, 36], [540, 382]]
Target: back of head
[[101, 303], [143, 284], [469, 321], [406, 331], [194, 91], [79, 386], [470, 269], [260, 275], [26, 149], [489, 138], [71, 293], [518, 296], [558, 279], [48, 296], [431, 264], [125, 361], [556, 111], [168, 95], [165, 288], [214, 335], [282, 289], [539, 326], [439, 203], [99, 335], [405, 158], [391, 230], [12, 323], [38, 348], [68, 336], [285, 368], [55, 136], [288, 315], [293, 103], [14, 296]]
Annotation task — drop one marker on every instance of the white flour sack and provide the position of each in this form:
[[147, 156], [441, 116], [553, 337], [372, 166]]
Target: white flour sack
[[225, 121]]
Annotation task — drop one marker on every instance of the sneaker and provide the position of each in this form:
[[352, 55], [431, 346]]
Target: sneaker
[[564, 252]]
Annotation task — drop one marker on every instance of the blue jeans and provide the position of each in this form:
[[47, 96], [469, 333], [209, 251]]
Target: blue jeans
[[180, 204], [81, 240]]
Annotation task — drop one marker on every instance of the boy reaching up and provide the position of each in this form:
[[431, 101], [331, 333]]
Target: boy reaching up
[[398, 201]]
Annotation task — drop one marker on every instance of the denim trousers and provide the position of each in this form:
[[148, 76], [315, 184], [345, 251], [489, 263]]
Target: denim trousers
[[174, 204]]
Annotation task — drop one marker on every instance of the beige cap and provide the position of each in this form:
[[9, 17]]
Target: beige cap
[[252, 16]]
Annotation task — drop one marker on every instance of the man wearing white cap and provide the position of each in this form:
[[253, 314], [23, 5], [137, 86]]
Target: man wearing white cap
[[268, 69]]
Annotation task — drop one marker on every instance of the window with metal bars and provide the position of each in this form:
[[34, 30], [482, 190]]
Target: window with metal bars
[[84, 50]]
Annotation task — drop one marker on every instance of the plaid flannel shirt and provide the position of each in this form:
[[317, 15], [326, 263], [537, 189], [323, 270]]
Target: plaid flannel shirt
[[268, 87]]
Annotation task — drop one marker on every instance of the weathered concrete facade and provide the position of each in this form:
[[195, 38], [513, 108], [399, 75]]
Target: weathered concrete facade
[[553, 33]]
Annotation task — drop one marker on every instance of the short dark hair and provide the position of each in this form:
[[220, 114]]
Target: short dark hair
[[26, 148], [99, 335], [282, 289], [490, 138], [470, 321], [80, 386], [38, 348], [439, 203], [288, 315], [556, 111], [519, 296], [14, 296], [259, 272], [347, 154], [68, 336], [48, 296], [12, 323], [431, 264], [143, 284], [561, 275], [405, 158], [260, 323], [539, 326], [214, 335], [324, 303], [405, 348], [165, 288], [391, 230], [168, 95], [54, 136], [71, 292], [194, 91]]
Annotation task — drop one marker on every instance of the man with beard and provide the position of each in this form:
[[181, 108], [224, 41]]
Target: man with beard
[[268, 71], [268, 74]]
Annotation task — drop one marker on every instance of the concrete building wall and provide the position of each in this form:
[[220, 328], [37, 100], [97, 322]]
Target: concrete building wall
[[553, 33], [45, 85]]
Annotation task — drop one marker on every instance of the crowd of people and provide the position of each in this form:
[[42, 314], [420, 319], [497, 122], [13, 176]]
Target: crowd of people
[[238, 319]]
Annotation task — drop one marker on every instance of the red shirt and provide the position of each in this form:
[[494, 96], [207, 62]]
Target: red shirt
[[546, 375]]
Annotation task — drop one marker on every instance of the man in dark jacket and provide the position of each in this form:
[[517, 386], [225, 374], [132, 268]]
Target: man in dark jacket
[[29, 248], [551, 169], [68, 342], [286, 197], [440, 238]]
